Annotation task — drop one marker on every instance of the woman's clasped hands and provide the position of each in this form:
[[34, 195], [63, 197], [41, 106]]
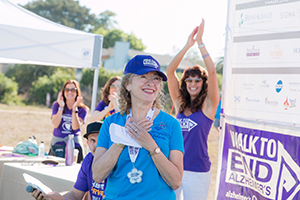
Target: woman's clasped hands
[[140, 132]]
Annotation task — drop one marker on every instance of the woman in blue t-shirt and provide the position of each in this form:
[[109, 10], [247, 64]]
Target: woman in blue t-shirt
[[109, 103], [149, 165], [68, 115], [196, 101]]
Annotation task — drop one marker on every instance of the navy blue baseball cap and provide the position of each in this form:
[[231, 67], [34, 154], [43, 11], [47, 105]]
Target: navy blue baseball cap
[[142, 64]]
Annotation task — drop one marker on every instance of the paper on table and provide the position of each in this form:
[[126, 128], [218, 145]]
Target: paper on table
[[36, 183], [118, 135]]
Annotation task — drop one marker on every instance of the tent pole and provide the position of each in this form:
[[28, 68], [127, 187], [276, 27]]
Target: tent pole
[[95, 86]]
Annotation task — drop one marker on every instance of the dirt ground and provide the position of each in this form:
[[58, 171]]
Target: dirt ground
[[18, 123]]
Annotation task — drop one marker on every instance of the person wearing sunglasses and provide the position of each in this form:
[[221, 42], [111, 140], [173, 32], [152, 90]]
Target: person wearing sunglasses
[[68, 115], [195, 100], [109, 103]]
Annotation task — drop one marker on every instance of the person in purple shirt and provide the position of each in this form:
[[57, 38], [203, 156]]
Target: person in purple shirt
[[109, 103], [68, 115], [196, 101], [84, 185]]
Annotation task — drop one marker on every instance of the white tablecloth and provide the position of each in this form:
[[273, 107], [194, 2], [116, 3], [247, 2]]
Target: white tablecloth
[[26, 159], [13, 186]]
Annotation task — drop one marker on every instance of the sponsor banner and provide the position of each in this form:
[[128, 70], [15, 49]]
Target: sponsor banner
[[264, 97], [259, 164]]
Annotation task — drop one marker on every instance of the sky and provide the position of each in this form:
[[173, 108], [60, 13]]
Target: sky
[[164, 25]]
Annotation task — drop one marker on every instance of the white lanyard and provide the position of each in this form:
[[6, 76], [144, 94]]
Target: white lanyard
[[134, 151]]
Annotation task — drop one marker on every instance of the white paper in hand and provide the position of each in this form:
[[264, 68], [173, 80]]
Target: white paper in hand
[[118, 135], [36, 183]]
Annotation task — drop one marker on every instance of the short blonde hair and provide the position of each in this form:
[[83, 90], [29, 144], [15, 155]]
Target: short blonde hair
[[125, 97]]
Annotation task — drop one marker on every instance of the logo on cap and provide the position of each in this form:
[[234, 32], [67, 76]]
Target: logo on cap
[[150, 63]]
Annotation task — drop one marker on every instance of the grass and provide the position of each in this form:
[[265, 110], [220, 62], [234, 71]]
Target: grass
[[17, 123]]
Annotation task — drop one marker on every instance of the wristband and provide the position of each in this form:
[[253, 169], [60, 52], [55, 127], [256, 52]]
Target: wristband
[[205, 55], [60, 108], [201, 45]]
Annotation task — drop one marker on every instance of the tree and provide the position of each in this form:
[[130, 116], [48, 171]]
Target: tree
[[45, 84], [9, 91], [219, 65], [70, 13], [111, 36], [105, 20], [104, 76], [24, 75], [66, 12], [135, 43]]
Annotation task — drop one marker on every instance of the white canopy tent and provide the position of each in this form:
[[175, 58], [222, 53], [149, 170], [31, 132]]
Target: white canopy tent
[[27, 38]]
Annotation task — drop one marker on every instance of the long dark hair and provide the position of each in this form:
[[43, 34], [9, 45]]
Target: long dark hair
[[78, 92], [185, 99], [106, 88]]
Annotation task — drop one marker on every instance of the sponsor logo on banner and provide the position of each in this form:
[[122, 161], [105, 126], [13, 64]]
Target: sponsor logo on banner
[[252, 52], [255, 18], [250, 100], [276, 52], [296, 51], [279, 86], [294, 86], [259, 165], [271, 102], [288, 14], [86, 54], [289, 103], [264, 84], [248, 86], [187, 124], [237, 99]]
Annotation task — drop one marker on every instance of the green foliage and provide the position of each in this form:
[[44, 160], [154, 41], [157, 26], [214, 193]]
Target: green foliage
[[104, 75], [45, 84], [219, 65], [24, 75], [66, 12], [9, 91], [220, 81], [71, 14], [111, 36], [135, 43], [106, 21]]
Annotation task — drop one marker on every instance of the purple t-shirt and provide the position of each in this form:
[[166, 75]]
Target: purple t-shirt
[[85, 180], [65, 126], [101, 106], [195, 129]]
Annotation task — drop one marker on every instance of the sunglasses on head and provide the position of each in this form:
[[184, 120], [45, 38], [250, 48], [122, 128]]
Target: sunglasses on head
[[72, 90], [190, 80]]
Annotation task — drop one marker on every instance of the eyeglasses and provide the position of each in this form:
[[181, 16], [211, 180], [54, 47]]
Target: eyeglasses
[[190, 80], [72, 90], [114, 87], [155, 79]]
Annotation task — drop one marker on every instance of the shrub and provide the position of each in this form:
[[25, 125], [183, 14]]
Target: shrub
[[45, 84], [9, 91]]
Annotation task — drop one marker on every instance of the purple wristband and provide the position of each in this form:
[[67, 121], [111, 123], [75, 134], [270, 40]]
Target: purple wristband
[[205, 55]]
